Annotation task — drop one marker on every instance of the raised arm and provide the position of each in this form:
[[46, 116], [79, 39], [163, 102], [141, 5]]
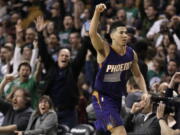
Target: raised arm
[[8, 78], [19, 43], [98, 43], [77, 13], [43, 52], [138, 77], [34, 55]]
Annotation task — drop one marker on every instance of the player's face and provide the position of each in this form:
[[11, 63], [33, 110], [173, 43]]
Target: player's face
[[120, 36]]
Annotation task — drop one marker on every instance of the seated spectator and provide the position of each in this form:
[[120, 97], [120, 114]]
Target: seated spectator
[[16, 113], [144, 123], [43, 120]]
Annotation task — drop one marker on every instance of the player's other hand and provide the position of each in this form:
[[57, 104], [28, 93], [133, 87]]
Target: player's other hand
[[100, 7]]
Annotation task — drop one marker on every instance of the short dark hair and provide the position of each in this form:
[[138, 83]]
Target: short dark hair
[[116, 24], [26, 64]]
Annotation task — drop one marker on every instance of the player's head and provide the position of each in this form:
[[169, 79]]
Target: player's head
[[118, 33]]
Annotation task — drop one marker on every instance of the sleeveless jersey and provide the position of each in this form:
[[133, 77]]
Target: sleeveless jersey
[[111, 77]]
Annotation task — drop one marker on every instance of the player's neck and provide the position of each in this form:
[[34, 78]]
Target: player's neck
[[120, 49]]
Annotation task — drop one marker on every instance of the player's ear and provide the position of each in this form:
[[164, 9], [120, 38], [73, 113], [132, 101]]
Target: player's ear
[[112, 35]]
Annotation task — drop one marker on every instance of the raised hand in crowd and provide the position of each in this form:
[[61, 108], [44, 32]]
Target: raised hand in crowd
[[8, 78], [40, 24], [19, 34], [138, 106], [175, 79]]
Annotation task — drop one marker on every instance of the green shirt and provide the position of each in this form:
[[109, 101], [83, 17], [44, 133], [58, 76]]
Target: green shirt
[[30, 86]]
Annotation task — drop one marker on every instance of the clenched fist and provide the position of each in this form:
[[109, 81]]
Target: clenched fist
[[100, 7]]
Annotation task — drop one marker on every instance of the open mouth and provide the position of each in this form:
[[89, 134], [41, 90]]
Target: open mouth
[[64, 61], [14, 102]]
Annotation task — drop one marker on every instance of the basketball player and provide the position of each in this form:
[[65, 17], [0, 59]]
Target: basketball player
[[110, 84]]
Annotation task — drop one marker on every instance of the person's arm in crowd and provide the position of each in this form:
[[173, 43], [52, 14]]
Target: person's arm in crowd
[[37, 73], [43, 52], [79, 60], [175, 79], [154, 30], [98, 43], [165, 129], [34, 56], [77, 13], [21, 124], [8, 78], [19, 43], [49, 122], [8, 129], [138, 77], [177, 41]]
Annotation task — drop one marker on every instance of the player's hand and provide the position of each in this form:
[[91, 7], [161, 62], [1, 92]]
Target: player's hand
[[100, 8]]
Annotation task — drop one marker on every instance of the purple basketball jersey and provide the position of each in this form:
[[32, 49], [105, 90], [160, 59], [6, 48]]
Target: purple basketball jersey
[[111, 77]]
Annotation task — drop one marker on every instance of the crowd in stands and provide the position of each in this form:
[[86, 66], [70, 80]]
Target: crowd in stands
[[48, 65]]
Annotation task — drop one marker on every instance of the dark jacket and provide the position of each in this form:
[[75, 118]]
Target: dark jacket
[[11, 116], [135, 125], [67, 95]]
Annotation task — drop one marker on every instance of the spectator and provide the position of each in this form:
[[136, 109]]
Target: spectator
[[131, 11], [156, 73], [16, 113], [62, 77], [6, 59], [134, 93], [171, 68], [172, 53], [121, 15], [23, 81], [144, 123], [146, 22], [53, 45], [43, 120], [75, 43]]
